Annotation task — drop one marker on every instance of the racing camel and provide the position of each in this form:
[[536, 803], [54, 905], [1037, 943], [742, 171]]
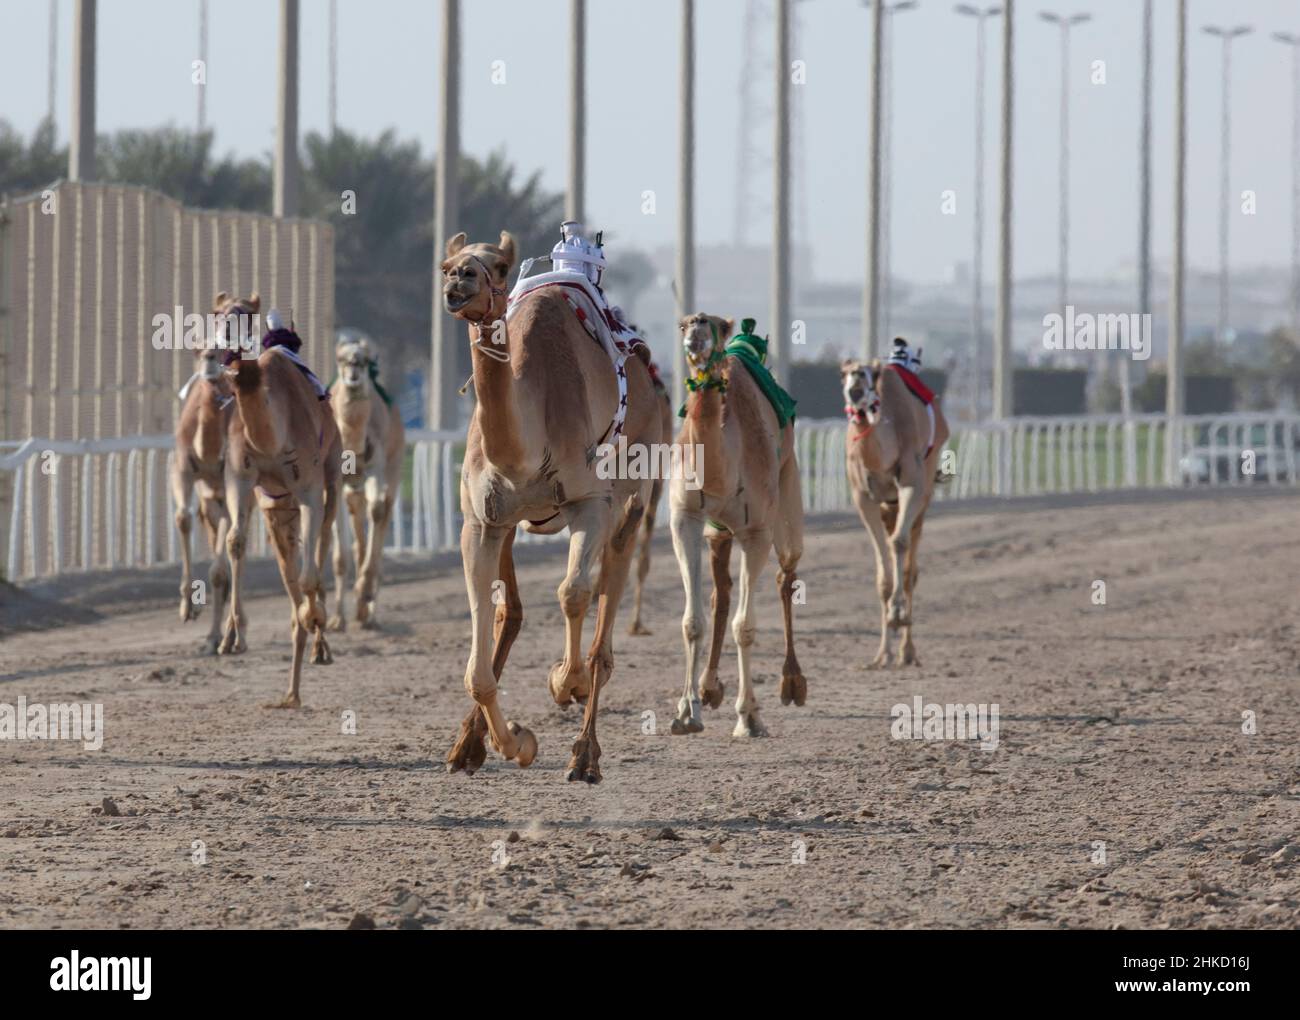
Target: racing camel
[[750, 493], [547, 397], [896, 433], [284, 449], [199, 462], [374, 445]]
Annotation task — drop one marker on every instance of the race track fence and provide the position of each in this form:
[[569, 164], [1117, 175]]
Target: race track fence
[[96, 504]]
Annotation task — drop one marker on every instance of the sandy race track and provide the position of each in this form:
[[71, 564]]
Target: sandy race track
[[1121, 725]]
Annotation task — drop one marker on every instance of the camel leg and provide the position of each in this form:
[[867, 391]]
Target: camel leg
[[368, 571], [688, 538], [907, 650], [239, 498], [342, 570], [615, 564], [481, 550], [869, 511], [643, 557], [569, 679], [787, 539], [182, 490], [284, 519], [469, 752], [317, 525], [356, 502], [217, 523], [754, 548], [910, 498], [712, 689]]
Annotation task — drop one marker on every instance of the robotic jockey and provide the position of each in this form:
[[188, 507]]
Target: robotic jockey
[[575, 254]]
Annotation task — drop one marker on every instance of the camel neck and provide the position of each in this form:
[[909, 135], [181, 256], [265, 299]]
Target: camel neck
[[260, 422], [495, 392], [705, 421]]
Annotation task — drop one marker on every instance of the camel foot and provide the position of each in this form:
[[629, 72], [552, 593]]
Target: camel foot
[[639, 629], [749, 725], [584, 766], [336, 622], [907, 656], [211, 645], [794, 688], [189, 611], [469, 752], [712, 691], [320, 651], [527, 749], [569, 683], [881, 661], [681, 727], [288, 701], [369, 623], [232, 643]]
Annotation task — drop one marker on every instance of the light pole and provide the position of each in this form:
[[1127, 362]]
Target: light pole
[[871, 343], [887, 162], [686, 192], [780, 325], [1225, 36], [1174, 390], [1003, 407], [1144, 251], [575, 198], [1294, 42], [1065, 25], [444, 374], [977, 262]]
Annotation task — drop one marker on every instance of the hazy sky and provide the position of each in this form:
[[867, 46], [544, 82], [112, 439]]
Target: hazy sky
[[388, 77]]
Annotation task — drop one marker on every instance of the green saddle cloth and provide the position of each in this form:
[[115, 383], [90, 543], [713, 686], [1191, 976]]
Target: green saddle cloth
[[751, 351]]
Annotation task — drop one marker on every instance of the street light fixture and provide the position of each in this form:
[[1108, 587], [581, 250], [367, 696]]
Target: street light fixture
[[977, 262], [1225, 36]]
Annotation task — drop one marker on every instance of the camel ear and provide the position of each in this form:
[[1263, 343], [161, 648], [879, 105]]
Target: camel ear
[[455, 244], [255, 301], [220, 300], [846, 366], [507, 246], [731, 328]]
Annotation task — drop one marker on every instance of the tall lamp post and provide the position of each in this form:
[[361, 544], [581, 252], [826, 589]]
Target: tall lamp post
[[1294, 42], [887, 163], [977, 262], [1225, 36], [1065, 24]]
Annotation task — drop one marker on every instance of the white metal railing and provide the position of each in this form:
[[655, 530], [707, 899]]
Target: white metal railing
[[75, 505]]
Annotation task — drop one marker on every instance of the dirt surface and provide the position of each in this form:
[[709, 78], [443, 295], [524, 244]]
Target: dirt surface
[[1120, 724]]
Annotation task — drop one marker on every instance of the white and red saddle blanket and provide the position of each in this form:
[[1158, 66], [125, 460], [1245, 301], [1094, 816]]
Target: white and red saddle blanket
[[615, 337], [922, 392]]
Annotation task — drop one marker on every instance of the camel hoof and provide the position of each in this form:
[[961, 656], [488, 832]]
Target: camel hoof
[[681, 727], [794, 688], [584, 766], [369, 623], [232, 644], [189, 611], [908, 657], [639, 629], [881, 661], [569, 685], [712, 696], [336, 622], [527, 749], [749, 726], [288, 701], [320, 652]]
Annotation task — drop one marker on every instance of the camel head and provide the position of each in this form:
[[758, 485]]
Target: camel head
[[353, 357], [235, 331], [703, 339], [474, 277], [858, 380]]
